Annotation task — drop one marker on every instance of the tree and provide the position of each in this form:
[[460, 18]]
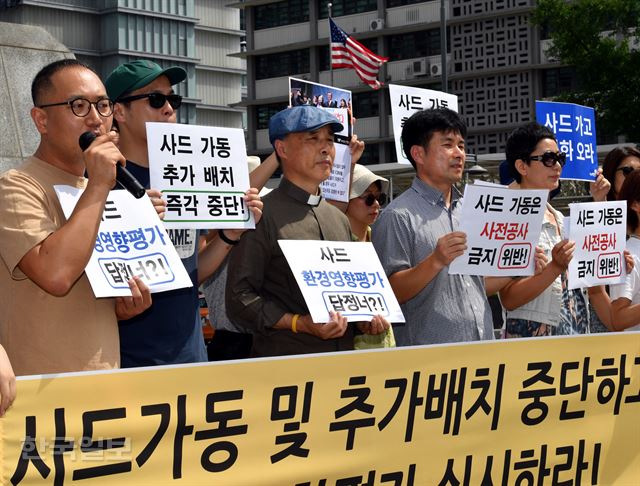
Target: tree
[[601, 40]]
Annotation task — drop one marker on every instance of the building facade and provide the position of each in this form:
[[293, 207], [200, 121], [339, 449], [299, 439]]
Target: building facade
[[197, 35], [495, 62]]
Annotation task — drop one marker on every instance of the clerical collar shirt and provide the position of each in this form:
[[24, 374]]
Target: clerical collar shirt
[[261, 287]]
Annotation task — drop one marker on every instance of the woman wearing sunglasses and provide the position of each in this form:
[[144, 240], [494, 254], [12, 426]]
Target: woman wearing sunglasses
[[618, 164], [625, 311], [542, 304], [368, 194]]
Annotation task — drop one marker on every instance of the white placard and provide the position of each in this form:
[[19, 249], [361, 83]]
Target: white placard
[[341, 276], [405, 101], [131, 241], [202, 173], [303, 92], [599, 230], [503, 228], [336, 187]]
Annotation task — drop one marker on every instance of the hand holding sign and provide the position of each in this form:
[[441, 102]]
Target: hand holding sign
[[561, 254], [450, 247], [334, 328]]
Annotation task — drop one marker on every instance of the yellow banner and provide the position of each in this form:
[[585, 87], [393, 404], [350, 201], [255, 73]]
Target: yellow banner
[[537, 411]]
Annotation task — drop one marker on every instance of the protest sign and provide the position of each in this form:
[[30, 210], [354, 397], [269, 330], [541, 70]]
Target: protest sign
[[406, 100], [575, 130], [600, 232], [131, 241], [558, 410], [202, 173], [341, 276], [503, 228], [337, 102]]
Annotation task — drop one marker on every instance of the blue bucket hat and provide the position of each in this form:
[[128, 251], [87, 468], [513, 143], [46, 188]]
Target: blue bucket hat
[[300, 119]]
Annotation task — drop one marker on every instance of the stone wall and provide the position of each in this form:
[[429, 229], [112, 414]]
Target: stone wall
[[24, 50]]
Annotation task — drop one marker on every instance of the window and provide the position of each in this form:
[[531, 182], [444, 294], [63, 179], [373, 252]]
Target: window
[[366, 104], [281, 13], [265, 112], [282, 64], [415, 44], [371, 44], [370, 155], [557, 81], [400, 3], [347, 7]]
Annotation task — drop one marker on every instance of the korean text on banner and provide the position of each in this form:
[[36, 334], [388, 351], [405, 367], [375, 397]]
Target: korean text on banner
[[575, 130], [339, 276], [503, 228], [405, 101], [131, 241], [600, 233], [336, 101], [202, 173], [530, 411]]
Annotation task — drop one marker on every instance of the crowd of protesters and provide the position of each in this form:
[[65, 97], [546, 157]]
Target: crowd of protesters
[[50, 321]]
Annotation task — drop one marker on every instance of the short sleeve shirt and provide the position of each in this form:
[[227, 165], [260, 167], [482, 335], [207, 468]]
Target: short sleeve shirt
[[450, 308]]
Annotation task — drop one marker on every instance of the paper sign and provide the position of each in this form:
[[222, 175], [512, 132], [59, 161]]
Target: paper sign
[[131, 241], [405, 101], [337, 102], [202, 173], [575, 130], [503, 228], [599, 230], [341, 276]]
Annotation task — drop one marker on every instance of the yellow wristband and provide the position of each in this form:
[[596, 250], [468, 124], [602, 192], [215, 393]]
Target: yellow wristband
[[294, 322]]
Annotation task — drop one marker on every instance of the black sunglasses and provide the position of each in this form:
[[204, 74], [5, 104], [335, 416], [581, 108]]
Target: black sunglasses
[[626, 170], [156, 100], [549, 159], [369, 199]]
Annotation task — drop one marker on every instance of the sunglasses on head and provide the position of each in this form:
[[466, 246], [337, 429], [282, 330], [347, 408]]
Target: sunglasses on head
[[549, 159], [369, 199], [156, 100], [626, 170]]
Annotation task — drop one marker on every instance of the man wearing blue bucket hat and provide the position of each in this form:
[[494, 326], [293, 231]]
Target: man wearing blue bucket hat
[[262, 294]]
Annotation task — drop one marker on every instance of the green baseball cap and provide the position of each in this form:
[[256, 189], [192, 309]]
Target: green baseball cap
[[134, 75]]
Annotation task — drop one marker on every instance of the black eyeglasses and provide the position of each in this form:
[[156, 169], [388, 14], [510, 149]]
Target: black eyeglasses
[[549, 159], [82, 106], [626, 170], [156, 100], [369, 199]]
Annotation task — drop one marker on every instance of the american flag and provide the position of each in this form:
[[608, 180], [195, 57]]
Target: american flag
[[349, 53]]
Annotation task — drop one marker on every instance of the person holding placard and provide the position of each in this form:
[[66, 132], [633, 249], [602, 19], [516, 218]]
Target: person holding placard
[[625, 308], [171, 331], [262, 293], [50, 319], [542, 304], [618, 164], [417, 237]]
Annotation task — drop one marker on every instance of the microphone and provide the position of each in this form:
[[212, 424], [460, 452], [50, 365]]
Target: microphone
[[123, 176]]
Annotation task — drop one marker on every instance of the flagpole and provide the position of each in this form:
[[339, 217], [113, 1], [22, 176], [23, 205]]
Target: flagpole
[[330, 63]]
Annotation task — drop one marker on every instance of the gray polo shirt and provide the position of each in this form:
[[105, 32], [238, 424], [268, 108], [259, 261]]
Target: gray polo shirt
[[451, 308]]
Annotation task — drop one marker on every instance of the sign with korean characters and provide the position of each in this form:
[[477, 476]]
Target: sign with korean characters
[[131, 241], [405, 101], [341, 276], [600, 232], [575, 130], [503, 228], [336, 101], [552, 411], [202, 173]]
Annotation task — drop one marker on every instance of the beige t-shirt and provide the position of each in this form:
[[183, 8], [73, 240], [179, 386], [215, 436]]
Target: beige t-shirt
[[43, 333]]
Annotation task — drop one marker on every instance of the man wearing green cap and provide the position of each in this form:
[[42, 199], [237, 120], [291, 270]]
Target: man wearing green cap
[[170, 331], [262, 294]]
